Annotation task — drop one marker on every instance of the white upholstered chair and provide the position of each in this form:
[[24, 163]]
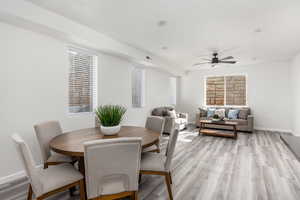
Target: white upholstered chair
[[159, 164], [112, 168], [45, 132], [46, 182], [155, 123]]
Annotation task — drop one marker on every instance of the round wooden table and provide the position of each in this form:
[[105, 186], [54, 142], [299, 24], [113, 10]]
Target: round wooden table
[[71, 143]]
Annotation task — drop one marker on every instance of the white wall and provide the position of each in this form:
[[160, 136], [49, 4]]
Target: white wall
[[28, 15], [268, 92], [33, 88], [295, 82], [115, 88]]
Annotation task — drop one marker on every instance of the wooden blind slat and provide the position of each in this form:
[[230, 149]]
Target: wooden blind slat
[[81, 81], [215, 91], [235, 91]]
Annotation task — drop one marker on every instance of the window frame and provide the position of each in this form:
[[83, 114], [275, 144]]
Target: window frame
[[225, 92], [94, 90]]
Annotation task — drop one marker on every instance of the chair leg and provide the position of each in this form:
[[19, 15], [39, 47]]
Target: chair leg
[[170, 176], [72, 190], [169, 187], [134, 196], [140, 178], [29, 195], [158, 147], [45, 165], [82, 190]]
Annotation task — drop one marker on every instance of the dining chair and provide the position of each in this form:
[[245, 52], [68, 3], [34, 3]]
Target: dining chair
[[46, 182], [45, 132], [159, 164], [112, 168], [155, 123]]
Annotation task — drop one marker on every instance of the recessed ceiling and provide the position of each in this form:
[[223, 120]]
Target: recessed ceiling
[[267, 30]]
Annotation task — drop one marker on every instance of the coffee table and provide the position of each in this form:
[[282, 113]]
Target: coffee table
[[220, 133]]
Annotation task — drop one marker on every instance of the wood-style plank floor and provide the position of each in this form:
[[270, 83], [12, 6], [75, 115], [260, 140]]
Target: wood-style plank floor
[[256, 166]]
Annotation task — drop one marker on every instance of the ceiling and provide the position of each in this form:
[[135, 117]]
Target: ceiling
[[250, 30]]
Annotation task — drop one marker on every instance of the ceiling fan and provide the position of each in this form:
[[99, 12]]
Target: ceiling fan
[[215, 60]]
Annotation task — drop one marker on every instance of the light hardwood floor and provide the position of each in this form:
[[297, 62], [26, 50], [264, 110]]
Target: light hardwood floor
[[256, 166]]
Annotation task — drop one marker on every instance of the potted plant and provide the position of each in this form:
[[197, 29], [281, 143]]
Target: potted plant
[[110, 117], [216, 118]]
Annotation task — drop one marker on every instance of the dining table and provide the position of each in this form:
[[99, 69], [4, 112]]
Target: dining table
[[72, 143]]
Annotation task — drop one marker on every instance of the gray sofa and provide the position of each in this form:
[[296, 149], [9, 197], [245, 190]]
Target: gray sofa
[[180, 121], [245, 119]]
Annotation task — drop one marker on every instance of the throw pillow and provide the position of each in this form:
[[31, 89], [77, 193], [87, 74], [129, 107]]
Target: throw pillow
[[158, 111], [172, 113], [233, 114], [210, 112], [165, 113], [243, 114], [220, 113], [203, 112]]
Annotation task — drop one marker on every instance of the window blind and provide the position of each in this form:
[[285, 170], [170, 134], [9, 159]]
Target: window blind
[[226, 90], [82, 81], [215, 91], [236, 90]]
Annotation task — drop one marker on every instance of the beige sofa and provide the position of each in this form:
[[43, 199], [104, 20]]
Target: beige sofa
[[245, 119], [179, 122]]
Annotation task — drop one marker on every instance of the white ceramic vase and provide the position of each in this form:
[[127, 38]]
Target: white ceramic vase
[[110, 130]]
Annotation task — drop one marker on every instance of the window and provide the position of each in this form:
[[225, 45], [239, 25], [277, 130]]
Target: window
[[82, 81], [226, 91], [236, 90], [215, 91], [138, 87]]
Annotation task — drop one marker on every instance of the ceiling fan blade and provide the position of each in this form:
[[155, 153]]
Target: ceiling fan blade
[[206, 59], [227, 58], [201, 63], [229, 62]]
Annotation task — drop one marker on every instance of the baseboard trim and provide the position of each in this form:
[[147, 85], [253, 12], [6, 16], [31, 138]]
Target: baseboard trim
[[14, 177], [273, 130], [11, 178]]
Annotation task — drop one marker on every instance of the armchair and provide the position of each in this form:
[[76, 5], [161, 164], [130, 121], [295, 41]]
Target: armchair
[[179, 121]]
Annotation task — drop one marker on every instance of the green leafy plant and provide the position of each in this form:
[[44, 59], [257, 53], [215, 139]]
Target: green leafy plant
[[110, 115], [216, 116]]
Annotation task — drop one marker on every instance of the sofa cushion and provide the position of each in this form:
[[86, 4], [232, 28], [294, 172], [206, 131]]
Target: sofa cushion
[[241, 122], [165, 113], [244, 112], [220, 112], [172, 113], [233, 114], [169, 108], [158, 111], [203, 112], [180, 121], [210, 112], [227, 111]]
